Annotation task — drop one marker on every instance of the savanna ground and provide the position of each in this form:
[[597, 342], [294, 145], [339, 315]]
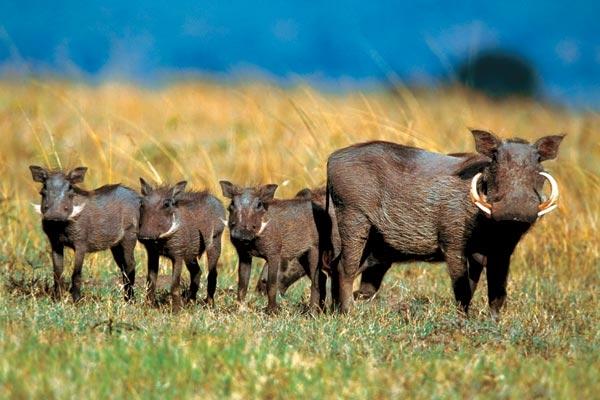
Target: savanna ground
[[407, 342]]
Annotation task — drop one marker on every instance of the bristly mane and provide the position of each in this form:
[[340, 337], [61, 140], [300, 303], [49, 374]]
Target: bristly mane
[[84, 192], [186, 197], [293, 200], [98, 191], [193, 196], [517, 140]]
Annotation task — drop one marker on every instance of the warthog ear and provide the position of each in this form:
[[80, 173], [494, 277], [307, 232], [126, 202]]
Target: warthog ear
[[267, 192], [229, 189], [472, 165], [39, 174], [77, 175], [178, 190], [547, 146], [486, 143], [146, 188]]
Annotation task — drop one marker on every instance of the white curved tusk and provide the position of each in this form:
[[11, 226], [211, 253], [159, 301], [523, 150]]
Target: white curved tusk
[[483, 208], [37, 208], [224, 221], [550, 204], [476, 198], [547, 210], [263, 225], [553, 186], [76, 211], [174, 227]]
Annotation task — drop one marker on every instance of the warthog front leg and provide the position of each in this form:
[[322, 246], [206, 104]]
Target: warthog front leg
[[153, 258], [244, 269], [459, 274], [497, 275], [58, 265], [274, 262], [76, 277]]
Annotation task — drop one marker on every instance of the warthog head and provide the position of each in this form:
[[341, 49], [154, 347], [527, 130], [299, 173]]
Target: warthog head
[[58, 193], [509, 186], [159, 214], [248, 208]]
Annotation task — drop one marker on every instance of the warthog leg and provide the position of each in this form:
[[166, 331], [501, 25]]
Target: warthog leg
[[58, 265], [354, 231], [195, 273], [152, 275], [76, 277], [123, 255], [497, 274], [459, 274], [371, 279], [274, 265], [212, 257], [244, 269]]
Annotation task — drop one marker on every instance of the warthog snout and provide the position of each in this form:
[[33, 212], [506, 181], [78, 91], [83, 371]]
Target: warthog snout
[[504, 211], [243, 234]]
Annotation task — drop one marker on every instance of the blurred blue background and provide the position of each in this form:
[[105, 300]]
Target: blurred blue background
[[336, 45]]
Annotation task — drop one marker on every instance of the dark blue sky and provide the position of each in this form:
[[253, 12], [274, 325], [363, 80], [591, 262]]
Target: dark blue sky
[[340, 44]]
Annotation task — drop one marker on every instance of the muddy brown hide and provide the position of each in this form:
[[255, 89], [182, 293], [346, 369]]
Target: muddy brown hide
[[87, 221], [181, 225], [398, 203], [277, 231], [292, 271]]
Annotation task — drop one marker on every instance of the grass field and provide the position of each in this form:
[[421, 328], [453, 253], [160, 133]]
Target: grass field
[[407, 342]]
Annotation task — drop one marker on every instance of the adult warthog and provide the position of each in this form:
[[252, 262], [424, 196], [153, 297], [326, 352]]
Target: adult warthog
[[398, 203]]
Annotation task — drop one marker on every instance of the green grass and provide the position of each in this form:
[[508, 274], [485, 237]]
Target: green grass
[[409, 341]]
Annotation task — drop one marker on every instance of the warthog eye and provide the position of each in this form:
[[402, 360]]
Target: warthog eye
[[259, 205], [168, 203]]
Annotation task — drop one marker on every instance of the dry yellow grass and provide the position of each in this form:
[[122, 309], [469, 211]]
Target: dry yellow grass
[[255, 133], [258, 133]]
